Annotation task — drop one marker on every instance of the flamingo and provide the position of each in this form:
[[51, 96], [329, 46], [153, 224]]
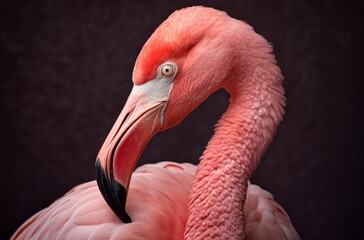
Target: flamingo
[[193, 53]]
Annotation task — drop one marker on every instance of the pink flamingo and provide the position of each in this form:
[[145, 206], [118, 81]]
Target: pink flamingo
[[195, 52]]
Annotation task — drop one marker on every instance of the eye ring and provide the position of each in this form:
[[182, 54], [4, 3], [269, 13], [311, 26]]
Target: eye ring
[[167, 69]]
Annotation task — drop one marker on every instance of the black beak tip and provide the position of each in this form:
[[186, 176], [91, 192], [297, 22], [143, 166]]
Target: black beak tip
[[113, 192]]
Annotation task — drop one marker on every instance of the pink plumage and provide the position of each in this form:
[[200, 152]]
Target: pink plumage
[[193, 53], [83, 214]]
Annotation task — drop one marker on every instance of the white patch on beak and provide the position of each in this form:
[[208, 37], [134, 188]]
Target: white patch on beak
[[157, 90]]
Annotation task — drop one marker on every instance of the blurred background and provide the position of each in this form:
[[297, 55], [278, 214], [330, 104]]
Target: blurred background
[[66, 72]]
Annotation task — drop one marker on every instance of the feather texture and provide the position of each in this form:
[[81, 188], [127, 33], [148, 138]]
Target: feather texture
[[163, 190]]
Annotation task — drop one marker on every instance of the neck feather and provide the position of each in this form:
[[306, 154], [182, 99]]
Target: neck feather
[[241, 137]]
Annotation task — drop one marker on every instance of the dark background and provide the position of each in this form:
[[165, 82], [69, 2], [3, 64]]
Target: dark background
[[66, 72]]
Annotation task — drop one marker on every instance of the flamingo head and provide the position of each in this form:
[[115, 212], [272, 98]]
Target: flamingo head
[[189, 56]]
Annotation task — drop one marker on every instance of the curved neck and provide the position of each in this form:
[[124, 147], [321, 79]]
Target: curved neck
[[243, 133]]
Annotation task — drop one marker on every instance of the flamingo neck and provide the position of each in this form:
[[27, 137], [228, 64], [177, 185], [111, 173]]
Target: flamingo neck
[[243, 133]]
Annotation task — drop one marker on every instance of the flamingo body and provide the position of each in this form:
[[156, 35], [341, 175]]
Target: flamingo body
[[163, 188], [82, 213]]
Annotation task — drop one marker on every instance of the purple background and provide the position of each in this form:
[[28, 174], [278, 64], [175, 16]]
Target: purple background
[[66, 73]]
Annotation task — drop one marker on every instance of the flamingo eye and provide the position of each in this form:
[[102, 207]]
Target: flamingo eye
[[167, 70]]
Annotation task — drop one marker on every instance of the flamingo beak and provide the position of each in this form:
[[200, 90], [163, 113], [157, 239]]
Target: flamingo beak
[[140, 119]]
